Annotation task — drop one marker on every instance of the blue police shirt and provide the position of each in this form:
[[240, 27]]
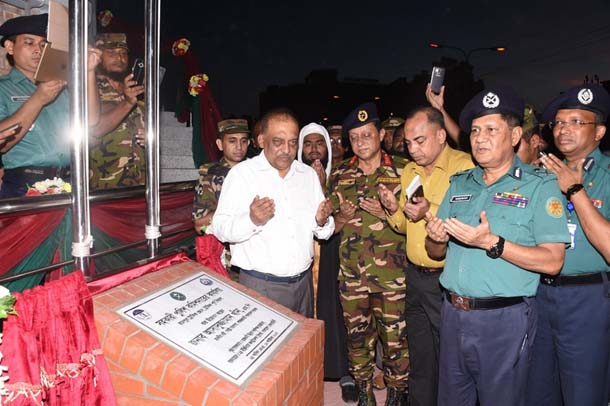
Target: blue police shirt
[[47, 143], [581, 256], [525, 206]]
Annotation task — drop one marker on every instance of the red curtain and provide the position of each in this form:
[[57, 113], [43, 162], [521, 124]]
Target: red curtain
[[124, 220], [209, 250], [52, 348], [21, 234], [210, 116]]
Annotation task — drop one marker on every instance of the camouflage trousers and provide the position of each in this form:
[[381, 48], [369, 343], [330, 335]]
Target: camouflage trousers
[[369, 317]]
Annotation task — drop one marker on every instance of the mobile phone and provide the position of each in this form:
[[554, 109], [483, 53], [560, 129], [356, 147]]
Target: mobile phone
[[138, 71], [12, 127], [436, 79], [419, 192]]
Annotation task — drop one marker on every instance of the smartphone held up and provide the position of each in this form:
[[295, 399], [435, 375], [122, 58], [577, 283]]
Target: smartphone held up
[[436, 79]]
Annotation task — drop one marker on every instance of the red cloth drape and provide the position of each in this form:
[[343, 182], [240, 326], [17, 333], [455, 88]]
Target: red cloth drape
[[210, 116], [124, 220], [20, 234], [52, 348], [112, 281], [209, 250]]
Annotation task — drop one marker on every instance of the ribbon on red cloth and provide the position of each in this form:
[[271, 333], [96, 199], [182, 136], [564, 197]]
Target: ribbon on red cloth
[[52, 348], [209, 250], [112, 281]]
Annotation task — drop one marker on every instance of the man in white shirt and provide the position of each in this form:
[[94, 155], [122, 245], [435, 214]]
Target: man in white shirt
[[270, 209]]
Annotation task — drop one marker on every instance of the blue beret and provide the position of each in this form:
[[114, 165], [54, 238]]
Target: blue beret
[[492, 100], [592, 97], [36, 25], [361, 115]]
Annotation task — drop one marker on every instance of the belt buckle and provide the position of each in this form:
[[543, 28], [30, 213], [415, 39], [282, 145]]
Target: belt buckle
[[549, 280], [460, 302]]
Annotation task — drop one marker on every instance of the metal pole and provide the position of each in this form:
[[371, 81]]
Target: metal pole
[[152, 10], [81, 225]]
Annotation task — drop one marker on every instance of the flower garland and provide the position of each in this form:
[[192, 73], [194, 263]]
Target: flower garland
[[7, 306], [180, 47], [49, 187], [197, 84]]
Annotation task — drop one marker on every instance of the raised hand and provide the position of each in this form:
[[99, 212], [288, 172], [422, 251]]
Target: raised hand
[[261, 210], [46, 92], [347, 209], [566, 176], [479, 236], [324, 211], [131, 89], [435, 228], [372, 206], [416, 208], [387, 199]]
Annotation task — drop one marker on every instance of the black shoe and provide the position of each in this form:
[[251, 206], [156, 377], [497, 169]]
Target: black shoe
[[349, 393], [397, 397], [366, 397]]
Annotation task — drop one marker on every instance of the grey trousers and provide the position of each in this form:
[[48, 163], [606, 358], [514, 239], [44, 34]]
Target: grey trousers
[[297, 296]]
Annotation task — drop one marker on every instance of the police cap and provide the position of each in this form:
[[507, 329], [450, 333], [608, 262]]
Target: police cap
[[591, 97], [35, 25], [492, 100]]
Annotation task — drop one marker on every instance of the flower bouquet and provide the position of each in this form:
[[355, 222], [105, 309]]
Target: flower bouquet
[[49, 187], [197, 84]]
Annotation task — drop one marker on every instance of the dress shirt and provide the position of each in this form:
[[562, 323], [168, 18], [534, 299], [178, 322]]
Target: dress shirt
[[284, 245]]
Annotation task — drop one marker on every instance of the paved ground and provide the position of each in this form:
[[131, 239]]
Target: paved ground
[[332, 395]]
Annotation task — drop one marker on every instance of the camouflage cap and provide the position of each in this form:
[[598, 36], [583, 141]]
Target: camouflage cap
[[392, 122], [232, 126], [111, 41], [530, 121]]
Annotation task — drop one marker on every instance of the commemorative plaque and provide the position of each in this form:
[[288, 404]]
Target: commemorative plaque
[[214, 323]]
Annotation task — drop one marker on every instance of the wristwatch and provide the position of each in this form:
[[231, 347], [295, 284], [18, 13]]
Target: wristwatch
[[496, 250], [575, 188]]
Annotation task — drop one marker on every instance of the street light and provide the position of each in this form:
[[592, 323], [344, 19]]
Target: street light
[[467, 54]]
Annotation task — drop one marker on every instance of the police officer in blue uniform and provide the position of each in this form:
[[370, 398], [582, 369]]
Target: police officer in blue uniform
[[572, 347], [498, 225]]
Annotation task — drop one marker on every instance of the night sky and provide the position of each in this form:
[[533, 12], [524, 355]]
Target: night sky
[[245, 46]]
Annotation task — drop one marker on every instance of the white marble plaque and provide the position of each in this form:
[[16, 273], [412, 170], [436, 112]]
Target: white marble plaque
[[217, 325]]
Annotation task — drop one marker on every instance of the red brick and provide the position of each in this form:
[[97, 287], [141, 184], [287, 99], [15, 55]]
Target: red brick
[[113, 344], [155, 362], [128, 384]]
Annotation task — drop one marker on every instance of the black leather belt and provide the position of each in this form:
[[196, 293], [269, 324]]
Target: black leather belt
[[425, 269], [45, 172], [274, 278], [582, 279], [470, 303]]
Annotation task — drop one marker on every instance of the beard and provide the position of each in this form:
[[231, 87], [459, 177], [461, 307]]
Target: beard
[[309, 162], [116, 76]]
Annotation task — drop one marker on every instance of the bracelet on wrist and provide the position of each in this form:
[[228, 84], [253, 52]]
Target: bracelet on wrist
[[573, 189]]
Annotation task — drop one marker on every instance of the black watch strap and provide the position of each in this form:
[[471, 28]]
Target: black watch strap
[[575, 188], [496, 250]]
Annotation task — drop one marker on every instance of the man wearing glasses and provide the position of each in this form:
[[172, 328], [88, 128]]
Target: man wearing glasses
[[571, 349]]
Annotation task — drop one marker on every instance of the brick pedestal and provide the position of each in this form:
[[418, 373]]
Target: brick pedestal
[[148, 372]]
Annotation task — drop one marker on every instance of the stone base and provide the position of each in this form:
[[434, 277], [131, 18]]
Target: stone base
[[148, 372]]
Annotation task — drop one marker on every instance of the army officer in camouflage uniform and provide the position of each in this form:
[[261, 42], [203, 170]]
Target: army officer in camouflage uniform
[[233, 142], [116, 145], [372, 255]]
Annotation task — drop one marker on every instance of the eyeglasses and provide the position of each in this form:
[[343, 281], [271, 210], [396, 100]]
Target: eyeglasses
[[572, 124]]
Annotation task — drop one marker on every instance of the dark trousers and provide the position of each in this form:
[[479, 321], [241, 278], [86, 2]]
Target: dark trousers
[[572, 347], [424, 299], [15, 181], [485, 353], [297, 296]]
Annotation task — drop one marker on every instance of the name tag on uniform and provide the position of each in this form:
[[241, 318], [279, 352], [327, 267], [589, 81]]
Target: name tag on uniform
[[460, 198], [388, 180], [20, 99], [347, 182]]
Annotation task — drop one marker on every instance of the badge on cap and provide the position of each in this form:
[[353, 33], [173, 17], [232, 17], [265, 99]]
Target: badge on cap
[[491, 100], [362, 116], [585, 96]]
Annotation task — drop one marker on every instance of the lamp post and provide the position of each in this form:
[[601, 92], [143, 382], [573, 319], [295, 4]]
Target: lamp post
[[467, 54]]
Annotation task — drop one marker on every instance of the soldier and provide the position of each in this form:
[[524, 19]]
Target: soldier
[[117, 144], [531, 141], [371, 275], [571, 351], [498, 225], [390, 125], [233, 142], [398, 144], [337, 143], [434, 161]]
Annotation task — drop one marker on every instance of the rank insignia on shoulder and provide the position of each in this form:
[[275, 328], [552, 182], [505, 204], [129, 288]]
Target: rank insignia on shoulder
[[597, 203], [554, 207], [510, 199], [460, 198], [347, 182]]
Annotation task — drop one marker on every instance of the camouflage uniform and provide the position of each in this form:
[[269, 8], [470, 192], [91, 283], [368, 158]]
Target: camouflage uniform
[[207, 191], [118, 160], [371, 274]]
